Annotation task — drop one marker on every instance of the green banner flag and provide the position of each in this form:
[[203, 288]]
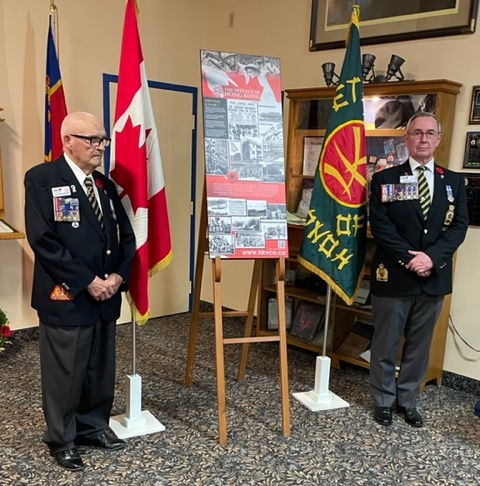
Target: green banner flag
[[334, 240]]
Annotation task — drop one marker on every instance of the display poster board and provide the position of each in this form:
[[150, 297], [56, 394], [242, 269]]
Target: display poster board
[[244, 155]]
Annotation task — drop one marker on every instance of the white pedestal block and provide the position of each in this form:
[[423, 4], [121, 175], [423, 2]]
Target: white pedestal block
[[135, 422], [320, 398]]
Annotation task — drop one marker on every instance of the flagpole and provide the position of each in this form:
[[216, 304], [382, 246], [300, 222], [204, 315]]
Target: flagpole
[[134, 346], [328, 300], [320, 398]]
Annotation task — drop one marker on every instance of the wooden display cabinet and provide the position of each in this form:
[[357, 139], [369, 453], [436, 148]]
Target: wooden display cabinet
[[387, 107]]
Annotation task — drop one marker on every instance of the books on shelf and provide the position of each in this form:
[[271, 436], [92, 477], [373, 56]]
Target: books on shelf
[[318, 339], [358, 340], [272, 320], [363, 294], [308, 320]]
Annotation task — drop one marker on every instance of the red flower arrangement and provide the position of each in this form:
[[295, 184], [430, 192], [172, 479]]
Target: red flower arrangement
[[5, 331], [99, 183]]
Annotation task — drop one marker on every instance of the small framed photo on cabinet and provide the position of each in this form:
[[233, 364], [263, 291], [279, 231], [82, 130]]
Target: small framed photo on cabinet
[[475, 106]]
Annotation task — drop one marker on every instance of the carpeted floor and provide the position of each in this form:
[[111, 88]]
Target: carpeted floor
[[339, 447]]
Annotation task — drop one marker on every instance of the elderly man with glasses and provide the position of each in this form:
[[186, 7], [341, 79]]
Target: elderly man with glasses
[[84, 246], [415, 236]]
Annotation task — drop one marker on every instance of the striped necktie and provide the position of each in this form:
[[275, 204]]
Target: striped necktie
[[93, 201], [423, 191]]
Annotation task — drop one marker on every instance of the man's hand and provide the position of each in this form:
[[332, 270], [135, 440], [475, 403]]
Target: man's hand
[[114, 280], [104, 289], [421, 263]]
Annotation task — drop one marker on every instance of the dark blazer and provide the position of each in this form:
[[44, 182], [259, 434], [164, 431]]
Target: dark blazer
[[399, 226], [70, 255]]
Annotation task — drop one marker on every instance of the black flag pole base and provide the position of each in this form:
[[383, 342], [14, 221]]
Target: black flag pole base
[[320, 398], [135, 422]]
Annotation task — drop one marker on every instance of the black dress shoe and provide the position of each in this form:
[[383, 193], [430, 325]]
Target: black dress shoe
[[69, 459], [383, 415], [412, 417], [106, 440]]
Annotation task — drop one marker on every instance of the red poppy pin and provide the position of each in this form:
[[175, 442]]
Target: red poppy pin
[[99, 183], [440, 170]]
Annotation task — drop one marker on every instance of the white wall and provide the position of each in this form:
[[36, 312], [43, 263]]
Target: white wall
[[172, 33]]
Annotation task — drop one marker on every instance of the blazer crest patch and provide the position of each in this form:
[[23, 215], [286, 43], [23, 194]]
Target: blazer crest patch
[[381, 273]]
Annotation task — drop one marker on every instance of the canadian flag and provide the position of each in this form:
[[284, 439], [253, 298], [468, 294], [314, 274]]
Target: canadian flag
[[136, 168]]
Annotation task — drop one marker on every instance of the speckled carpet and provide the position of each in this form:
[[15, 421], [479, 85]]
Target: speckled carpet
[[338, 447]]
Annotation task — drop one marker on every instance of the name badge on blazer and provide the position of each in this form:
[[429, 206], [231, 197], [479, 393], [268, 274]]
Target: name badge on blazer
[[406, 179], [61, 191]]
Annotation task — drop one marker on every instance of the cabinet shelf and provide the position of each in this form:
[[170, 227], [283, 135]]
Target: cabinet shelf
[[309, 110], [298, 293]]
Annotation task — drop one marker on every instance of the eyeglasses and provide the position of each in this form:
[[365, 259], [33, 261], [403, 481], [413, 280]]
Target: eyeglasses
[[418, 134], [93, 141]]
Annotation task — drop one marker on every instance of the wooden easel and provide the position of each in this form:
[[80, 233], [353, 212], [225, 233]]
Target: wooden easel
[[218, 314]]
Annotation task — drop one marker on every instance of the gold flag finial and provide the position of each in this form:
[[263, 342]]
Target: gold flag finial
[[355, 19], [137, 8], [54, 25]]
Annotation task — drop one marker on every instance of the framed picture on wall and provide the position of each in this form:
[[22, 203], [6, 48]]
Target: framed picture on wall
[[472, 151], [475, 106], [386, 21]]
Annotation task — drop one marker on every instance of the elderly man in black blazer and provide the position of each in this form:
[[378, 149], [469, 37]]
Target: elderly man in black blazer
[[84, 246], [418, 217]]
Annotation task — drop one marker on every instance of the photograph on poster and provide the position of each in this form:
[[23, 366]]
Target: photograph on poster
[[246, 224], [220, 225], [275, 230], [221, 244]]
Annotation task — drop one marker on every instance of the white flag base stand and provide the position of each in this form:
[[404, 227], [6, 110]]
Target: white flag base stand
[[135, 422], [321, 398]]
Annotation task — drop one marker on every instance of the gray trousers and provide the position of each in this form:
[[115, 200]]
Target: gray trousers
[[413, 317]]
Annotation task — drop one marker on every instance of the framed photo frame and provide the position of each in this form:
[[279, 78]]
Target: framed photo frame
[[471, 159], [475, 106], [382, 22]]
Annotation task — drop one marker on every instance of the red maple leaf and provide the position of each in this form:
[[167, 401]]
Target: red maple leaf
[[130, 170]]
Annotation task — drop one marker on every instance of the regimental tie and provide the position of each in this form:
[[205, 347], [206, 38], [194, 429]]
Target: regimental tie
[[93, 201], [423, 191]]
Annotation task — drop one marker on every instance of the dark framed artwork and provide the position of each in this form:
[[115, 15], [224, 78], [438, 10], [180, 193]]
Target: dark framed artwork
[[383, 21], [472, 151], [475, 106]]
